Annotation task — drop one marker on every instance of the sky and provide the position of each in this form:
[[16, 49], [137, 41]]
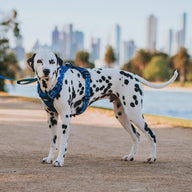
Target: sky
[[96, 18]]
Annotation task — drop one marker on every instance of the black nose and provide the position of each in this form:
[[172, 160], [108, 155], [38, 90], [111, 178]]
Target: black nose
[[46, 71]]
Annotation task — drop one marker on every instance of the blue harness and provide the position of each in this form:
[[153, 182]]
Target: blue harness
[[48, 98]]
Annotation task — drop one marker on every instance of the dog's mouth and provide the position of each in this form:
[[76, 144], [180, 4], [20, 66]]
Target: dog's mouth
[[44, 77]]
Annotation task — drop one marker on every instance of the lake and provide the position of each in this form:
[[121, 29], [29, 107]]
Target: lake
[[164, 103]]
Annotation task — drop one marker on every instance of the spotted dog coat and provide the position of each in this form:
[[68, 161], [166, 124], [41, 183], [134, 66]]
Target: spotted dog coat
[[124, 89]]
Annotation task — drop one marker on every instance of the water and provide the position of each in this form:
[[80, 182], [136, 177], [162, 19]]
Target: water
[[171, 104]]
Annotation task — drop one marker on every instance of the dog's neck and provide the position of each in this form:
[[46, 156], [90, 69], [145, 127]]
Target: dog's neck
[[47, 84]]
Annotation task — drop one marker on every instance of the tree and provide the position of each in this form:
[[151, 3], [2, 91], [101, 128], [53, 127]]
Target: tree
[[141, 59], [8, 63], [82, 60], [181, 62], [157, 69], [110, 56], [131, 67]]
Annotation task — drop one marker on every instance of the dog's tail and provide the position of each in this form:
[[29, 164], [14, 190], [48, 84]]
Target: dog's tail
[[158, 86]]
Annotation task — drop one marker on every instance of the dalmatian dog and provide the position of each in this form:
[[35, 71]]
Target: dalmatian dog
[[123, 88]]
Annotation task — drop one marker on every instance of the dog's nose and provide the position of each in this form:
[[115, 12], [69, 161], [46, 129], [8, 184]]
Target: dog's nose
[[46, 71]]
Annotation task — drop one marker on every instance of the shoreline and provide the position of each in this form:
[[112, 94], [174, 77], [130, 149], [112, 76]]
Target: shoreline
[[96, 114]]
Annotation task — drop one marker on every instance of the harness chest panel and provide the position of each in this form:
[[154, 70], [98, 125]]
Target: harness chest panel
[[48, 98]]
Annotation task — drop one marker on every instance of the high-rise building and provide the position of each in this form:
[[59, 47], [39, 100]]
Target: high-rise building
[[56, 41], [184, 18], [179, 36], [71, 42], [151, 33], [95, 49], [169, 42], [115, 40], [127, 51]]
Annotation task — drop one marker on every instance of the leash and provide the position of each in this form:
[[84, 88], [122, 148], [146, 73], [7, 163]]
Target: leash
[[48, 98], [21, 81]]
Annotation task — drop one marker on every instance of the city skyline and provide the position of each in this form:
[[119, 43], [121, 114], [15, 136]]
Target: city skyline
[[95, 18], [70, 40]]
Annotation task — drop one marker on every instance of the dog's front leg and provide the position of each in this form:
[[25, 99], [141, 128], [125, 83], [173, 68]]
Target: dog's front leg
[[53, 126], [65, 118]]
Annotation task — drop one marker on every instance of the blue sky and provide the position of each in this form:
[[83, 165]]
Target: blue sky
[[96, 17]]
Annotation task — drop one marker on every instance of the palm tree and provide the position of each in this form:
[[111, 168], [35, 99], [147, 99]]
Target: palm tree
[[181, 62], [110, 56]]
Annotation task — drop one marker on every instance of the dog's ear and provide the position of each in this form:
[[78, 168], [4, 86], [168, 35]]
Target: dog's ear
[[30, 61], [59, 60]]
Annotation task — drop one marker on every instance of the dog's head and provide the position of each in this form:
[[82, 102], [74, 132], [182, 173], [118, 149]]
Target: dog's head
[[45, 64]]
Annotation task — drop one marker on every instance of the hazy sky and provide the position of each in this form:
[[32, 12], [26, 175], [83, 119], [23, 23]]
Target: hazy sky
[[96, 17]]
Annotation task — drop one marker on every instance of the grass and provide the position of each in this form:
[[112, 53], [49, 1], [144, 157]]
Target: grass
[[154, 119]]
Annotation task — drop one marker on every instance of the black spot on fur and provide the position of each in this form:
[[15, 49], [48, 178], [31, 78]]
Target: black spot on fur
[[64, 126], [98, 72], [77, 103], [58, 96], [119, 113], [55, 139], [137, 89], [126, 74], [132, 104], [103, 78], [66, 82], [118, 105], [150, 132], [80, 85], [126, 82], [133, 128], [53, 121], [44, 84], [73, 93]]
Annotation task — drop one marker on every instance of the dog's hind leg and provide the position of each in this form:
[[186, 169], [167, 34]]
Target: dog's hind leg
[[53, 126], [142, 125], [129, 127]]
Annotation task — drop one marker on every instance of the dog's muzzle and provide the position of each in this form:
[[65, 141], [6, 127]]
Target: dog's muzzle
[[46, 72]]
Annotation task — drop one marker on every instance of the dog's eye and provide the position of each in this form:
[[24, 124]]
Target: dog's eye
[[51, 61], [39, 61]]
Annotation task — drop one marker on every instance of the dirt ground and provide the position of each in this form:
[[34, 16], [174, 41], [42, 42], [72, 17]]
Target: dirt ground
[[96, 144]]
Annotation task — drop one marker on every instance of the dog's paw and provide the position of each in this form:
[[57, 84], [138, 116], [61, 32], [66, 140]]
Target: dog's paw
[[47, 160], [150, 160], [58, 163], [127, 158]]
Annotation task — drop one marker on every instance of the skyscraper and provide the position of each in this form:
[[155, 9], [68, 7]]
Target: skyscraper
[[95, 49], [184, 18], [115, 39], [56, 40], [169, 42], [179, 36], [127, 51], [71, 42], [151, 33]]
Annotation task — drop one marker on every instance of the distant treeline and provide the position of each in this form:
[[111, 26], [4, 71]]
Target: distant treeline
[[158, 66]]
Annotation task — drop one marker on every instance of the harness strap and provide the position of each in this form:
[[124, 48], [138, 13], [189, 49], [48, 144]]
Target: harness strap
[[48, 98]]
